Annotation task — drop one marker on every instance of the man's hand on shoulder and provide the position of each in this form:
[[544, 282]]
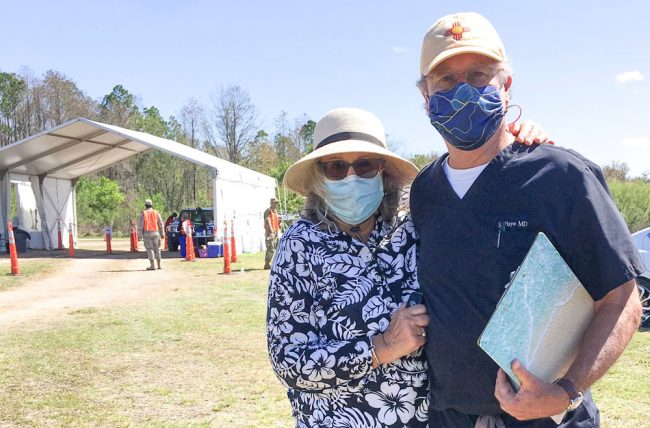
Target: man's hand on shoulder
[[535, 399]]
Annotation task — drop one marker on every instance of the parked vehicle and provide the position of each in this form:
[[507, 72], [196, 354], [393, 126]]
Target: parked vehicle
[[644, 288], [203, 228], [642, 241]]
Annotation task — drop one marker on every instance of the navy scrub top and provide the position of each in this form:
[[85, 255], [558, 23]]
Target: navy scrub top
[[470, 246]]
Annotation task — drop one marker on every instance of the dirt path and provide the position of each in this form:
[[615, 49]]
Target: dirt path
[[84, 283]]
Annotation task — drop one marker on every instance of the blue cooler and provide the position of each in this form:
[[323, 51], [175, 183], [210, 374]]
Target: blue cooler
[[181, 245], [215, 250]]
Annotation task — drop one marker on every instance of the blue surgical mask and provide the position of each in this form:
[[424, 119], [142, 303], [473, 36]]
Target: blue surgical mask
[[354, 199], [466, 116]]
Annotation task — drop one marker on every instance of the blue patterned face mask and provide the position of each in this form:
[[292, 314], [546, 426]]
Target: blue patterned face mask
[[466, 116], [354, 199]]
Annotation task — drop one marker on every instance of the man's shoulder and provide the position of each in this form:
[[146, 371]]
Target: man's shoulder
[[429, 170], [558, 155], [553, 160]]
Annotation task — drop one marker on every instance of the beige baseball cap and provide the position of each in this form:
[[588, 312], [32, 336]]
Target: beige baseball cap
[[459, 33]]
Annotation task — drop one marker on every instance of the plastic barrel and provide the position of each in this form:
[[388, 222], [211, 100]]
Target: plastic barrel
[[181, 245]]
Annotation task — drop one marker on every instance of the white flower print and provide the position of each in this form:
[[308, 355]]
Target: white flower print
[[319, 366], [411, 260], [320, 420], [278, 321], [378, 327], [393, 402], [326, 299], [303, 265], [392, 267], [303, 339]]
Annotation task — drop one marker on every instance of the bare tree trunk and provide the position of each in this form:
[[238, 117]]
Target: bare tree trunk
[[232, 124]]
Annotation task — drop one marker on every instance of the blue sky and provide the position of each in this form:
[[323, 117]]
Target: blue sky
[[581, 68]]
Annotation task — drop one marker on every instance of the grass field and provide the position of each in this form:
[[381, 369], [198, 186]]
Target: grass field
[[30, 270], [196, 358]]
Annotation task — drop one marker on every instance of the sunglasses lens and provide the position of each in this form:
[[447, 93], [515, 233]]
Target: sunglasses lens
[[335, 170], [367, 168], [338, 169]]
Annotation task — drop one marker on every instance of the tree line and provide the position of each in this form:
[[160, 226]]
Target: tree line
[[632, 195], [228, 127]]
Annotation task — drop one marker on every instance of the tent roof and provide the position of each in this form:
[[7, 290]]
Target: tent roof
[[80, 146]]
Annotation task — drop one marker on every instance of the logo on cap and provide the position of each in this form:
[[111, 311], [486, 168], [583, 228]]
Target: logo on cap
[[456, 31]]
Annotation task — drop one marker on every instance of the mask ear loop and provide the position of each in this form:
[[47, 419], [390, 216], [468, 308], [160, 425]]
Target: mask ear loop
[[332, 228], [518, 116]]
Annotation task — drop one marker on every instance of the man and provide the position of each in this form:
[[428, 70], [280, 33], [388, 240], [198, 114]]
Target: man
[[185, 227], [477, 210], [150, 228], [271, 229], [170, 220], [202, 217]]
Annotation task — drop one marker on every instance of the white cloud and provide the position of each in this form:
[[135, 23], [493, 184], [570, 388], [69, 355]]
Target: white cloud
[[637, 143], [400, 49], [629, 76]]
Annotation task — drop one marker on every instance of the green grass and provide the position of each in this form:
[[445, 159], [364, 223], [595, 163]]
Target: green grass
[[623, 394], [30, 269], [196, 358]]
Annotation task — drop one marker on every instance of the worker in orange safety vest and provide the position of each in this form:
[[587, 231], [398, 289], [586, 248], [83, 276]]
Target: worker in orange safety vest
[[150, 229], [271, 230]]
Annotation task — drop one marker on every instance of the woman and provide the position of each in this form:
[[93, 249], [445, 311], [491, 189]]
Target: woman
[[344, 323]]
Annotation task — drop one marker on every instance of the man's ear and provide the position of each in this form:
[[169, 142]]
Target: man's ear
[[506, 87], [508, 83], [426, 100]]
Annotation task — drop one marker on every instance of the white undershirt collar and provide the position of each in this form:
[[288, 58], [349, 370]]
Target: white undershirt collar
[[462, 179]]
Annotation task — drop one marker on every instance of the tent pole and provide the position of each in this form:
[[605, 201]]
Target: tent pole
[[5, 204], [73, 190], [40, 205], [216, 207]]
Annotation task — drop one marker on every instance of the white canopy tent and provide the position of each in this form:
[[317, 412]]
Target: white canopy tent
[[49, 164]]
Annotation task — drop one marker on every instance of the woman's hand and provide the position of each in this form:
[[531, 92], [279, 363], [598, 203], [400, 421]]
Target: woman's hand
[[528, 132], [405, 334]]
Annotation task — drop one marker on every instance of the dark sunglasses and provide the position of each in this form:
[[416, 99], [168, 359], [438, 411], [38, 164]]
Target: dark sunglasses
[[364, 168]]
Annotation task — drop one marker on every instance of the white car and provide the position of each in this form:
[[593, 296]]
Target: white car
[[642, 241]]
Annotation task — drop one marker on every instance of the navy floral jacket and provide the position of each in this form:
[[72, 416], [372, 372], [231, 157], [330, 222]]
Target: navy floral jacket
[[328, 295]]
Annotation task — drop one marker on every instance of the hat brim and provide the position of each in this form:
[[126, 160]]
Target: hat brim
[[458, 51], [300, 175]]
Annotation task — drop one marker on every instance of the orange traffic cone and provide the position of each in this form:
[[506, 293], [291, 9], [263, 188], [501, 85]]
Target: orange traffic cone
[[233, 246], [59, 234], [226, 249], [70, 242], [189, 246], [15, 270], [107, 237], [134, 239], [192, 252]]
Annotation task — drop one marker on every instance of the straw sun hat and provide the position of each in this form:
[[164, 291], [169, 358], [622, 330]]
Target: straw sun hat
[[346, 130]]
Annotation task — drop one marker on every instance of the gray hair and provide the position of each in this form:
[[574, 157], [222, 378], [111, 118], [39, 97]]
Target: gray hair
[[395, 198]]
